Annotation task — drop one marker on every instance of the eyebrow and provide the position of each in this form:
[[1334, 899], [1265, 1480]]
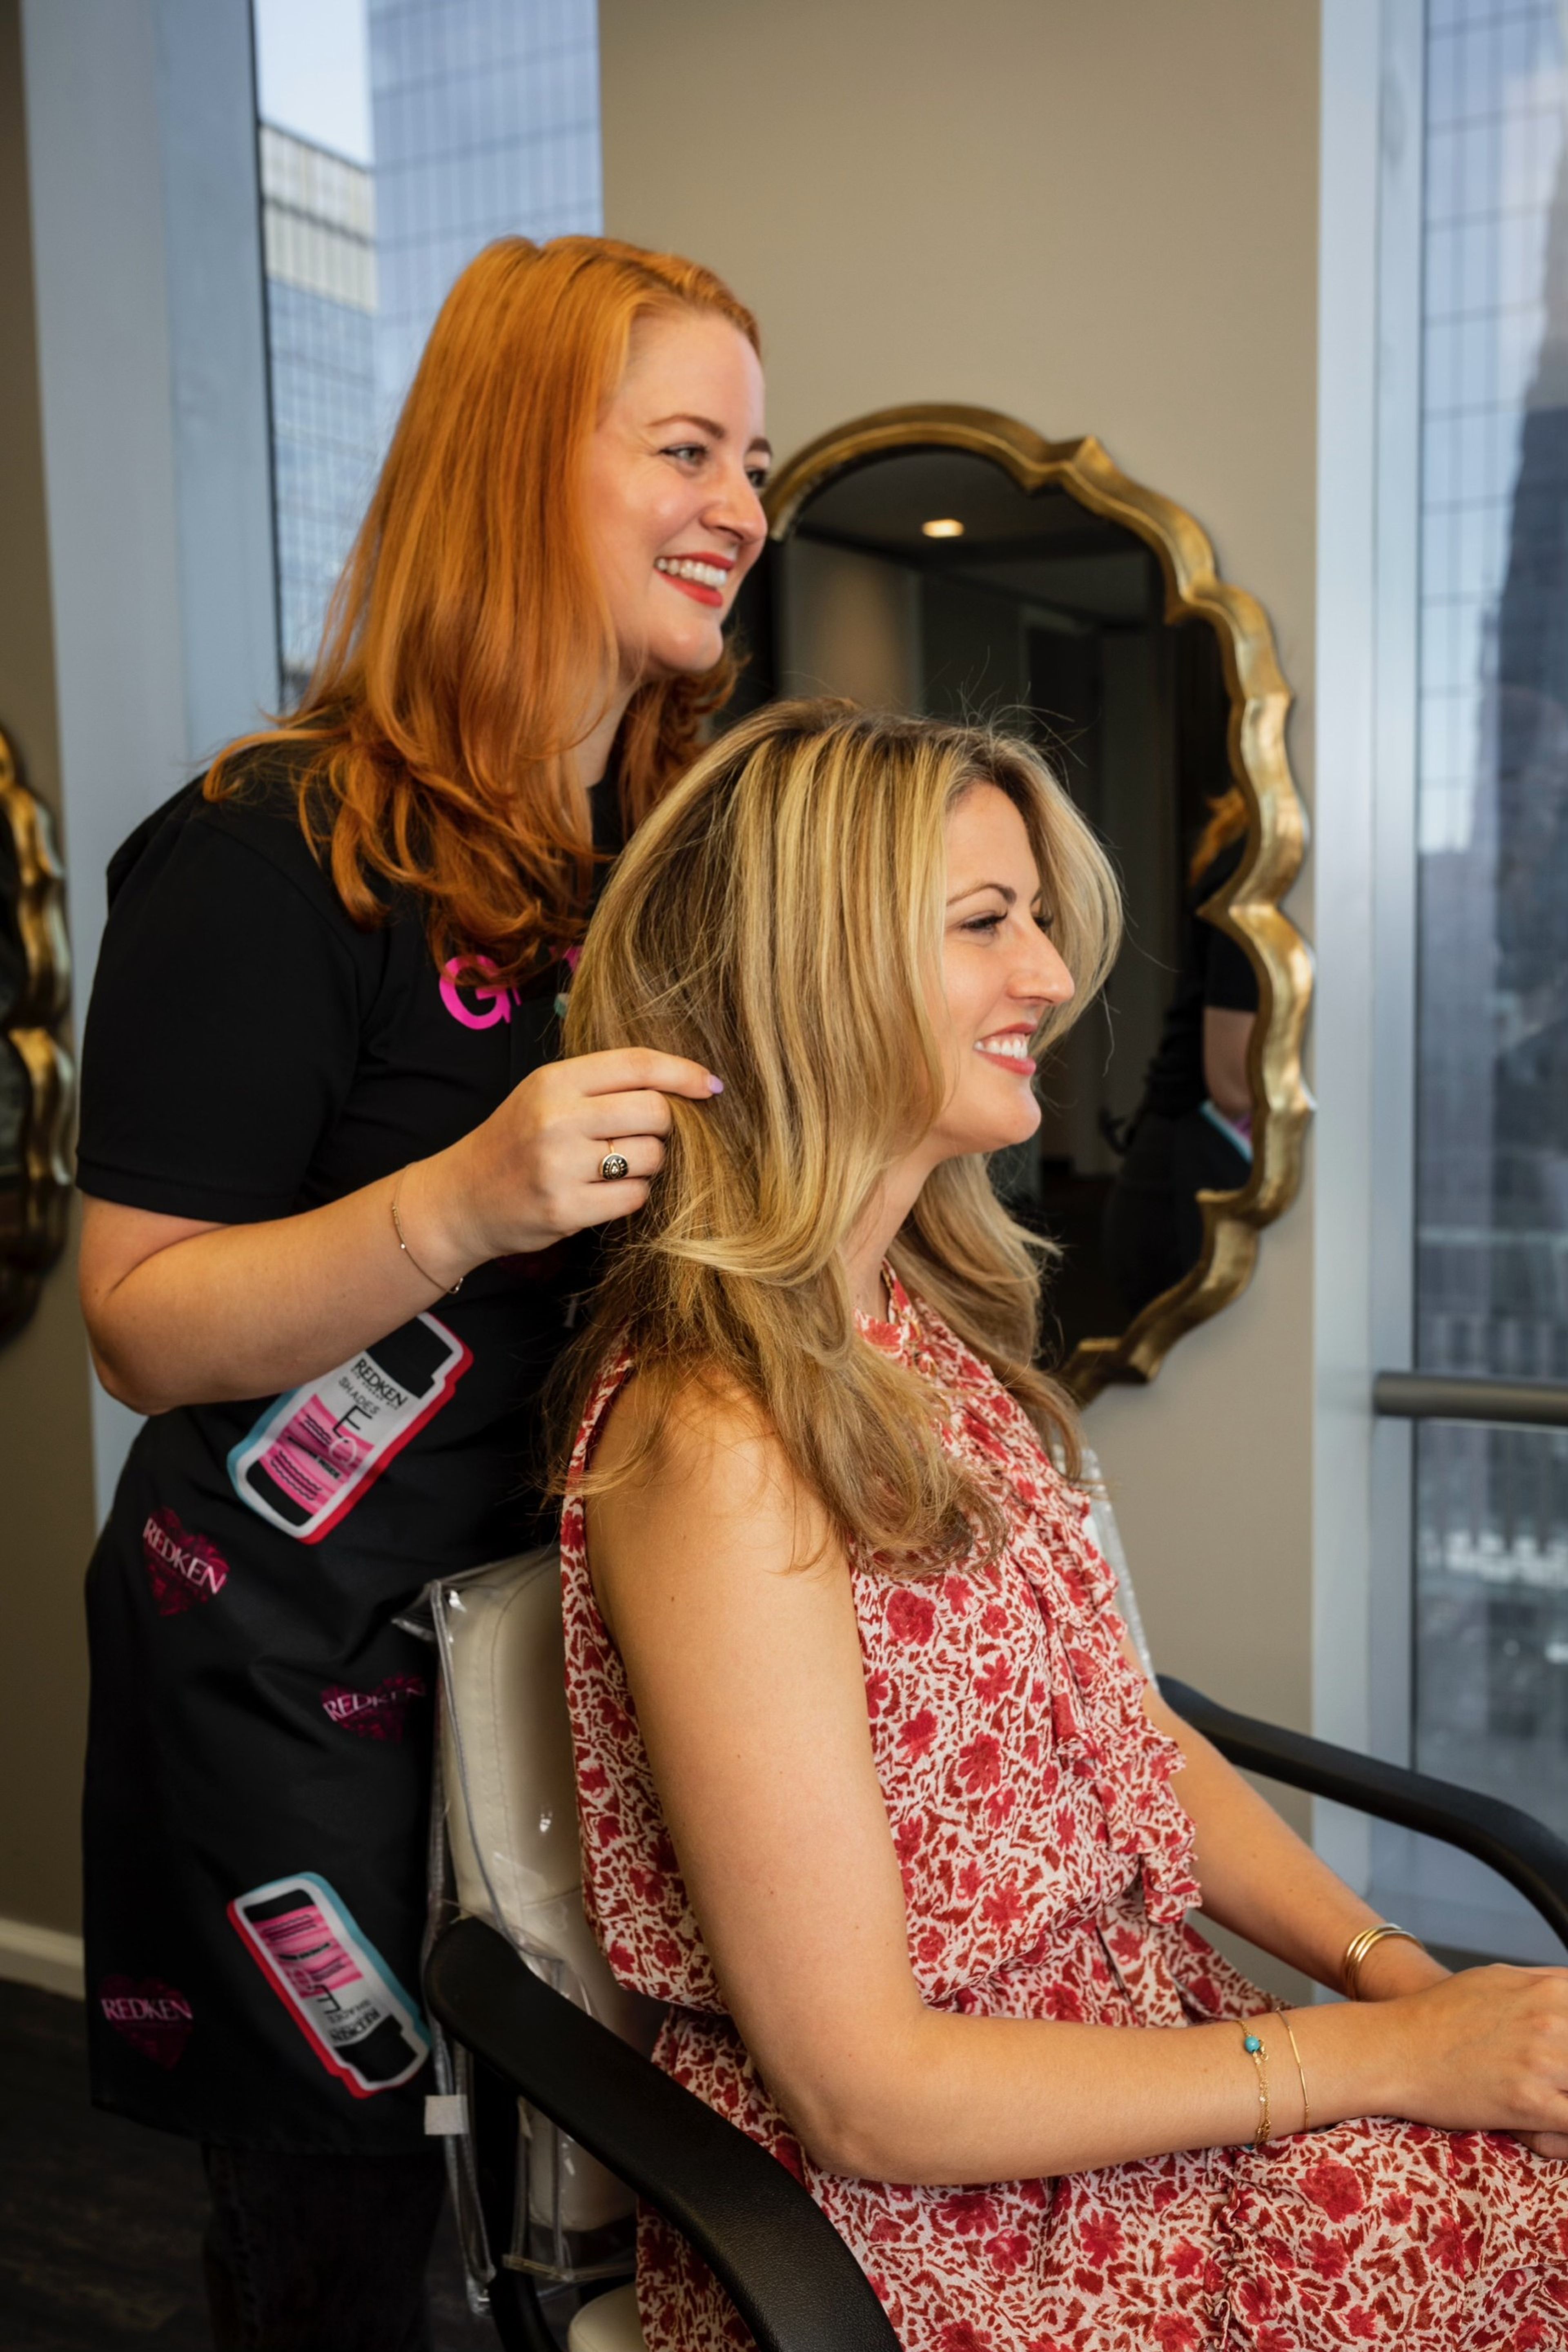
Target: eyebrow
[[708, 425], [1004, 890]]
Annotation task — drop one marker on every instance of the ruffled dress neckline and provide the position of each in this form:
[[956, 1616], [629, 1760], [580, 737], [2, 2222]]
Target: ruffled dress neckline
[[898, 1332]]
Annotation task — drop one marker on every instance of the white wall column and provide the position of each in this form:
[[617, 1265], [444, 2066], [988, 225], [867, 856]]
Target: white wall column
[[157, 466], [1364, 848]]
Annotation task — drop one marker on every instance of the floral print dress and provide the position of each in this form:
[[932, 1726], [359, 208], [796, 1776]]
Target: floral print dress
[[1047, 1865]]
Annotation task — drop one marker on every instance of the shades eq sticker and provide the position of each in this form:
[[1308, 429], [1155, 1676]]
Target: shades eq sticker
[[339, 1990]]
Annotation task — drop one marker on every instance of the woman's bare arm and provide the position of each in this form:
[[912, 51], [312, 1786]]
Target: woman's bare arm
[[179, 1312], [748, 1676], [1262, 1881]]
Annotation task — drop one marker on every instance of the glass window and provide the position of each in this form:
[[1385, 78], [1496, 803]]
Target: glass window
[[397, 137], [1491, 1505]]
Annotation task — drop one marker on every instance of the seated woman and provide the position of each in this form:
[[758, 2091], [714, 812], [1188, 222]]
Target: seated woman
[[873, 1791]]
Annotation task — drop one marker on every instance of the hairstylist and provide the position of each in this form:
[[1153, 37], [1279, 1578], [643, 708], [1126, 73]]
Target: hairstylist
[[333, 1166]]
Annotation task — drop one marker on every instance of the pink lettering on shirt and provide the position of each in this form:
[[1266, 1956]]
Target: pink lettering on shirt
[[476, 974]]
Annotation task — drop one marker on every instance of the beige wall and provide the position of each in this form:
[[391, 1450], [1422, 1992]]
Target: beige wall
[[848, 623], [1102, 217]]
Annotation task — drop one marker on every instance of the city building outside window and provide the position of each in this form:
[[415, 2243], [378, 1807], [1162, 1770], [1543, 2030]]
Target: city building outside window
[[397, 137], [1491, 1271]]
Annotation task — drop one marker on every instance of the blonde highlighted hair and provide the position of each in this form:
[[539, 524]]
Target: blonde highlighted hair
[[779, 918]]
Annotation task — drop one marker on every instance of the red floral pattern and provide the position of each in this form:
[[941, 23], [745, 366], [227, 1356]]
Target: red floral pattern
[[1047, 1870]]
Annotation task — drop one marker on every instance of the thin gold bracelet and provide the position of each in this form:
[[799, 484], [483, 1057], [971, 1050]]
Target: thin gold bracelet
[[1356, 1950], [1253, 2046], [1301, 2073], [408, 1254]]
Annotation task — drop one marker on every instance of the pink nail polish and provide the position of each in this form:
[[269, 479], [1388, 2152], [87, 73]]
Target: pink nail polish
[[715, 1086]]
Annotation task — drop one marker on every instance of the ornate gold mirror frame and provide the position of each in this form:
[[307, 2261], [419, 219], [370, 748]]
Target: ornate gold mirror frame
[[1247, 907], [36, 1083]]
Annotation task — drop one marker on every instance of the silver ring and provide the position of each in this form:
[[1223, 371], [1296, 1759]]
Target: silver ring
[[613, 1166]]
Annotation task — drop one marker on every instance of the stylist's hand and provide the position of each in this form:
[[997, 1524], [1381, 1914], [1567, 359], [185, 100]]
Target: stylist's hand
[[529, 1175], [1488, 2050]]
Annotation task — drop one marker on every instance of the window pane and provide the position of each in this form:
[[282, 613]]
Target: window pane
[[483, 121], [1492, 1612], [1492, 1506]]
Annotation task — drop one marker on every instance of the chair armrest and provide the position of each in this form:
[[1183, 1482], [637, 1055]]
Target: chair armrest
[[789, 2273], [1510, 1842]]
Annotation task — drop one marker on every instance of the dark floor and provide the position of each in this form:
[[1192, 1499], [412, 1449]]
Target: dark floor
[[100, 2222]]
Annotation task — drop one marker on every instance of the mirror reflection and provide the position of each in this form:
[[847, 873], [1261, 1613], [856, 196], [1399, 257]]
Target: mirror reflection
[[928, 581]]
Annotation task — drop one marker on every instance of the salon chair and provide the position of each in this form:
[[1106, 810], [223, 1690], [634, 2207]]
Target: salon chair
[[526, 2011]]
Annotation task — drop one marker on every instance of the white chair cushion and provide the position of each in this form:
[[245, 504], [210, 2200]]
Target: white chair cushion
[[512, 1822], [608, 2323]]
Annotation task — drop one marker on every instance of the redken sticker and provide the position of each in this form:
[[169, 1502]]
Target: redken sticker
[[317, 1451], [183, 1568], [148, 2014], [339, 1990], [378, 1714]]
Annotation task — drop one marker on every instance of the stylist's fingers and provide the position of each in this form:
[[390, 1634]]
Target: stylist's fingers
[[639, 1114], [629, 1069], [644, 1156], [607, 1197], [529, 1173]]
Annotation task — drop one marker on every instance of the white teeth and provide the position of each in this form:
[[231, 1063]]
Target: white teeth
[[1016, 1049], [687, 567]]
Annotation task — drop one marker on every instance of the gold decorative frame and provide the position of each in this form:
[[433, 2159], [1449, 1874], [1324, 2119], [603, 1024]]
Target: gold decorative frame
[[1249, 907], [33, 1206]]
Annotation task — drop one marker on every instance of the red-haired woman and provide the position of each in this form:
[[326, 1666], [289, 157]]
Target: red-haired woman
[[333, 1169]]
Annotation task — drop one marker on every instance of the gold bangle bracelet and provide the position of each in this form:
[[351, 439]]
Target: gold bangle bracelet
[[1301, 2073], [1253, 2046], [1356, 1950], [408, 1254]]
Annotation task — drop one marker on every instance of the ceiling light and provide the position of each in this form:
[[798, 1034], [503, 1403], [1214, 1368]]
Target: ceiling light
[[944, 527]]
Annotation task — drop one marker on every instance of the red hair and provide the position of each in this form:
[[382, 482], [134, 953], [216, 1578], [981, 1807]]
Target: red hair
[[447, 696], [1227, 823]]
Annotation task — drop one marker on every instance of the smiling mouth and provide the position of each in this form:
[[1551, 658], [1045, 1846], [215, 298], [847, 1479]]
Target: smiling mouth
[[704, 581], [1010, 1051]]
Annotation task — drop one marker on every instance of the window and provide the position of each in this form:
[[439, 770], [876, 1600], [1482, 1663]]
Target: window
[[398, 138], [1491, 1274]]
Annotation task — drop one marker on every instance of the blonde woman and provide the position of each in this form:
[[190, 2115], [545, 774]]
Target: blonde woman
[[872, 1790]]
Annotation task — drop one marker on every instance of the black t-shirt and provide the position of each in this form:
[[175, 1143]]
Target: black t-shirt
[[259, 1744], [1214, 970]]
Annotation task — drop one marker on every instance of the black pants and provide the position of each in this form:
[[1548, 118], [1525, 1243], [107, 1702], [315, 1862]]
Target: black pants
[[306, 2252]]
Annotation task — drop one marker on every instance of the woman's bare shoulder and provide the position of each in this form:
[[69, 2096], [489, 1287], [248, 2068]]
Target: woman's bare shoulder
[[694, 1473], [699, 1432]]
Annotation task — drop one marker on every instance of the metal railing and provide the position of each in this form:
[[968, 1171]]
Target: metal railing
[[1460, 1396]]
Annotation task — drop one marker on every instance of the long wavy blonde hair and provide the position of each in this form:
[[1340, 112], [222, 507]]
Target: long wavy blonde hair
[[779, 918]]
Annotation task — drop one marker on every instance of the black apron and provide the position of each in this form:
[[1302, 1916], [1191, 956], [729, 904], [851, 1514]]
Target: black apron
[[259, 1752]]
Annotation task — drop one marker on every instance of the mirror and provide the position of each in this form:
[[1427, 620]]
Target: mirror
[[34, 1072], [949, 561]]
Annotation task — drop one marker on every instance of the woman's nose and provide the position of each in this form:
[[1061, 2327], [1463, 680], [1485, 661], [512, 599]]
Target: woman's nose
[[738, 511], [1045, 977]]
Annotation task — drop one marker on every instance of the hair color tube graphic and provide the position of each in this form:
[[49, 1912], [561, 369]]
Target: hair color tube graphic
[[316, 1450], [349, 2007]]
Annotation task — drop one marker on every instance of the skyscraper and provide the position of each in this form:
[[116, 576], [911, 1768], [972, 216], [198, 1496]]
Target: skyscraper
[[487, 125], [486, 118], [318, 232]]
